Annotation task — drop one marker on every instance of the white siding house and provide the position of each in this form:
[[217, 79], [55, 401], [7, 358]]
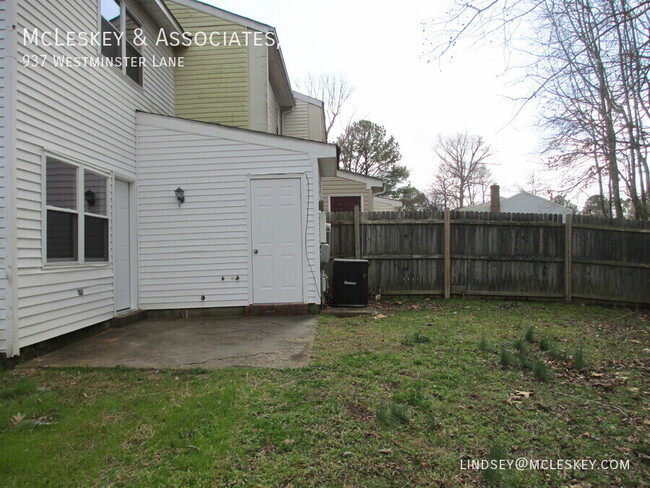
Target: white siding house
[[202, 248], [89, 224]]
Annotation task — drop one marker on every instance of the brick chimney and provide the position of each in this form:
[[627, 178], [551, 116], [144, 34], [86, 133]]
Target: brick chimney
[[495, 199]]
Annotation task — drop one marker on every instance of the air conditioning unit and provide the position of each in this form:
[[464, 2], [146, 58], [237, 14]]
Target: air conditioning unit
[[350, 283]]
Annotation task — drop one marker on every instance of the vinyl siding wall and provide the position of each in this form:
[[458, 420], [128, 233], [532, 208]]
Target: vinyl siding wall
[[85, 115], [186, 251], [334, 185], [3, 230], [381, 205], [296, 122], [213, 85], [305, 121], [274, 111]]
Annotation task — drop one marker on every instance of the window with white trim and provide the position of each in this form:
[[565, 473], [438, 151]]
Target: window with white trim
[[77, 219], [119, 23]]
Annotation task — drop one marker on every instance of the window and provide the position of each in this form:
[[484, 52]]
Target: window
[[77, 214], [345, 204], [119, 23]]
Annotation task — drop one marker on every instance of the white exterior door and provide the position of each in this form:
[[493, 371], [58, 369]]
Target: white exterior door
[[277, 240], [121, 247]]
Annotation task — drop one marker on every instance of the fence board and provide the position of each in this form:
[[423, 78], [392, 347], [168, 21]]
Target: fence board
[[522, 255]]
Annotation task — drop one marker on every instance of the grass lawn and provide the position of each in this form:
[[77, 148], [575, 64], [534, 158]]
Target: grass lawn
[[398, 400]]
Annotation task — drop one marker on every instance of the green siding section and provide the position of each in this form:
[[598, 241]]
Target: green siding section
[[213, 84]]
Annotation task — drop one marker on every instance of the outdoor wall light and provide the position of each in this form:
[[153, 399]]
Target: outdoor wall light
[[90, 198], [180, 195]]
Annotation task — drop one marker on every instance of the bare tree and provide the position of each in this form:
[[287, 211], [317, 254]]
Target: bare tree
[[590, 66], [333, 89], [462, 177]]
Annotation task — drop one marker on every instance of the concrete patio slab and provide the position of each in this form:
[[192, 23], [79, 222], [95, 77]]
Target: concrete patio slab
[[273, 342]]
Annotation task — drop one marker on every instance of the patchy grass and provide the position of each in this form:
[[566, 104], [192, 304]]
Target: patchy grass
[[370, 411]]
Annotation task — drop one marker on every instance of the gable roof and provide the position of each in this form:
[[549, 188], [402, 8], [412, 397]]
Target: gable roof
[[522, 202], [307, 99], [369, 181]]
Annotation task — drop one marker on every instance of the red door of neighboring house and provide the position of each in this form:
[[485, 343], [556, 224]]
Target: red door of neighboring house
[[344, 204]]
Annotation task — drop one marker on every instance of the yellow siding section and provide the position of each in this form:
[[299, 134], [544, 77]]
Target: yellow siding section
[[213, 84], [296, 122], [334, 185], [305, 121]]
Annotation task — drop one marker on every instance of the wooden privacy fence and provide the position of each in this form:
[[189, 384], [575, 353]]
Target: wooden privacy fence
[[513, 255]]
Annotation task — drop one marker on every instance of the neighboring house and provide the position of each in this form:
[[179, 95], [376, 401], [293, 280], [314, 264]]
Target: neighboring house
[[383, 204], [522, 202], [112, 199], [341, 193]]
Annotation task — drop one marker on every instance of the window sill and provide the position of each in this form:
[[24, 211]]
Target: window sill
[[75, 266]]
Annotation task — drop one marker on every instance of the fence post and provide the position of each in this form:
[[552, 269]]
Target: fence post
[[568, 244], [357, 233], [447, 253]]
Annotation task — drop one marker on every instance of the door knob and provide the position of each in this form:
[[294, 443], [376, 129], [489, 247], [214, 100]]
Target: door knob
[[255, 251]]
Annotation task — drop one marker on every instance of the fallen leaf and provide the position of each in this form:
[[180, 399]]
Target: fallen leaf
[[525, 394], [385, 451], [18, 418], [597, 375], [380, 316]]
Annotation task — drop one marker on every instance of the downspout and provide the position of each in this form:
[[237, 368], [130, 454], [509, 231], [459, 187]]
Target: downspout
[[9, 175]]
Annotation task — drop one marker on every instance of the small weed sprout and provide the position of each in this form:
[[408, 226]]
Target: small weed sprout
[[400, 413], [433, 422], [420, 338], [494, 477], [484, 345], [415, 338], [579, 361], [540, 371], [557, 354], [545, 344], [530, 334], [520, 346], [506, 358], [524, 361], [383, 416], [391, 415]]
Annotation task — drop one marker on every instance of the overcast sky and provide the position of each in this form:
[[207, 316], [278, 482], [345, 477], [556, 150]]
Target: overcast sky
[[379, 47]]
